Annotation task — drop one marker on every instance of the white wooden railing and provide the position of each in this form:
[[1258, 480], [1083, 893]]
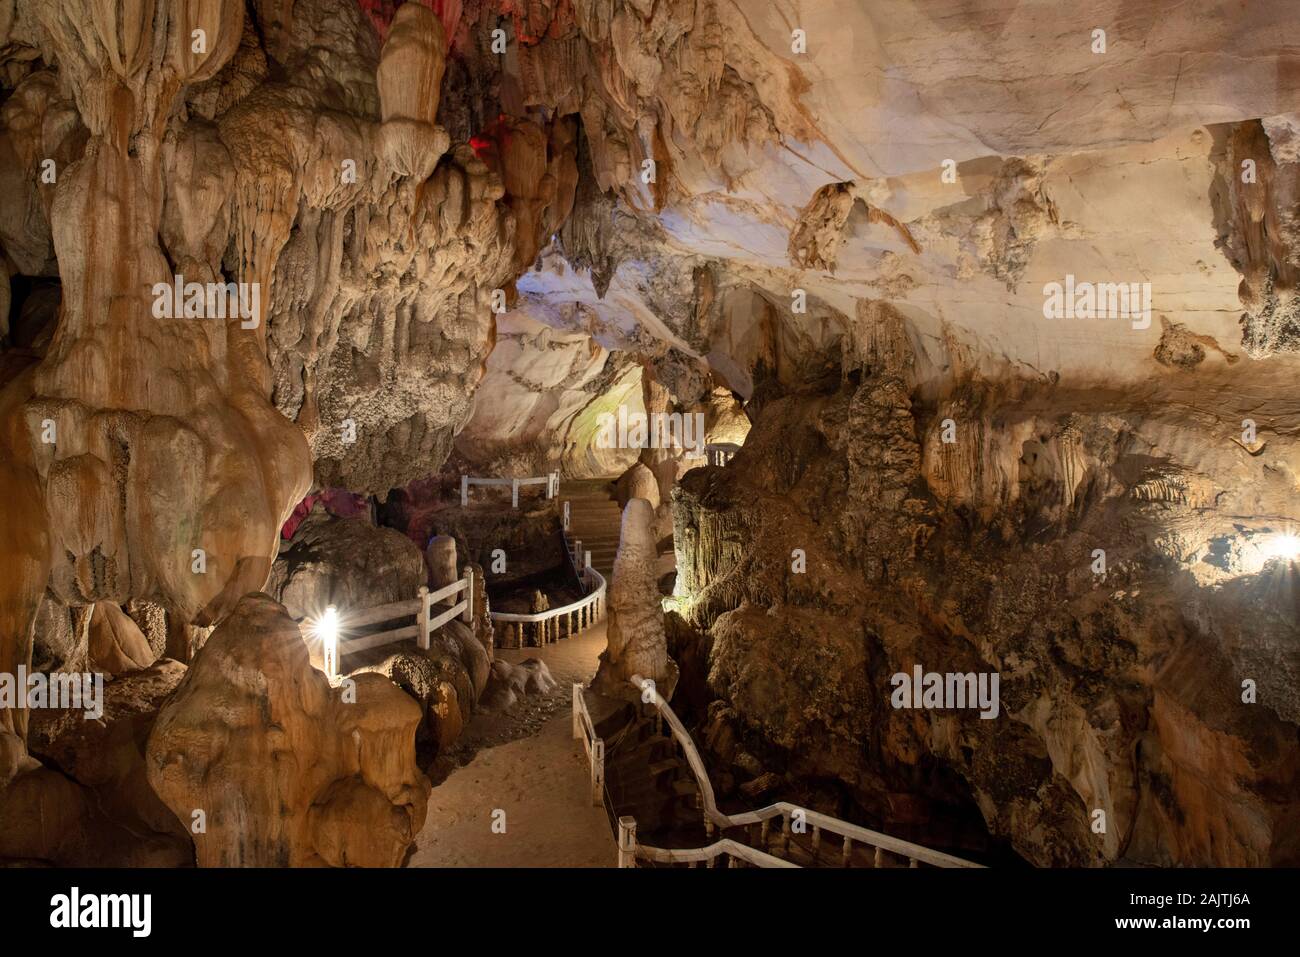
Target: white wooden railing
[[629, 851], [575, 616], [817, 823], [552, 483], [584, 730], [583, 613], [720, 453], [427, 620]]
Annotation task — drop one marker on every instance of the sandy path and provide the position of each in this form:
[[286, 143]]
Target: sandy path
[[539, 778]]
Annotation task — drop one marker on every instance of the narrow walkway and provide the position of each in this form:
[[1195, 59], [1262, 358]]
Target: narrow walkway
[[541, 782]]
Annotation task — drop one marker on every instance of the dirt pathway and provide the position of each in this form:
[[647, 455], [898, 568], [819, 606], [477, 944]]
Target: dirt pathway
[[525, 764]]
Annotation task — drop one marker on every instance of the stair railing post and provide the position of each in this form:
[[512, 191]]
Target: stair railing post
[[468, 616], [422, 617], [566, 516], [464, 490], [514, 493], [577, 713], [627, 841], [597, 770]]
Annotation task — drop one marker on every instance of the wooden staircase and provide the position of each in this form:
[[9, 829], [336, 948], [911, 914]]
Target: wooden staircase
[[647, 778], [594, 519]]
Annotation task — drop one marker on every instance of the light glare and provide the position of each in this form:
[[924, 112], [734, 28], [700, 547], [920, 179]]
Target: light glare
[[1283, 546], [327, 630]]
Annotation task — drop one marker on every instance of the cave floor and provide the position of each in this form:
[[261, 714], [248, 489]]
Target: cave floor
[[525, 763]]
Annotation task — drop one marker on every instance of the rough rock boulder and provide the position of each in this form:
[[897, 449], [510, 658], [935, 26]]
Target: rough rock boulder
[[285, 771]]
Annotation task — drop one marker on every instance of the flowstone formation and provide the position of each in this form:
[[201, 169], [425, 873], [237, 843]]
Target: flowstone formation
[[281, 768], [272, 261]]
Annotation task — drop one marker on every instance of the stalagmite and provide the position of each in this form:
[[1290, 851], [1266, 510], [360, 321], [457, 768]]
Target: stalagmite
[[440, 556], [635, 630]]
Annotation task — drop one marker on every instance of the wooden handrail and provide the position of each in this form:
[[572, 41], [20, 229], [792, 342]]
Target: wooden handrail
[[692, 855], [783, 809], [584, 729], [593, 602], [426, 622], [589, 599], [551, 481], [378, 613]]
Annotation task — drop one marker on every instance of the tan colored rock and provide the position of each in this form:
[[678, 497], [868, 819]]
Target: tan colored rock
[[98, 809], [292, 775], [636, 641], [116, 643], [638, 482], [410, 81], [440, 557], [511, 682], [445, 715], [345, 562]]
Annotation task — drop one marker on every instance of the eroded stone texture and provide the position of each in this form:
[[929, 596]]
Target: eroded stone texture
[[345, 562], [976, 556], [682, 213], [287, 773], [90, 804]]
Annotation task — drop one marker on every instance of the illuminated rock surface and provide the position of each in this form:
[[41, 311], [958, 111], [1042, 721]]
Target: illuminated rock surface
[[837, 224]]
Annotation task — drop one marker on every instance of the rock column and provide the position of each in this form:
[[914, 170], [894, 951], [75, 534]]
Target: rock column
[[636, 640]]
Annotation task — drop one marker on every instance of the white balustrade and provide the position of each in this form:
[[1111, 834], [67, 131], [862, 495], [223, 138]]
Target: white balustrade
[[421, 607], [713, 817], [551, 481]]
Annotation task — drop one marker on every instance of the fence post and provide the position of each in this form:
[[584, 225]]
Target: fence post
[[577, 716], [464, 490], [597, 771], [330, 652], [514, 493], [422, 618], [627, 841], [468, 616]]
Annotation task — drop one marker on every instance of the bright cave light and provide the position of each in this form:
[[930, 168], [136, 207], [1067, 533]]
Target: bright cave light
[[1283, 545], [326, 629]]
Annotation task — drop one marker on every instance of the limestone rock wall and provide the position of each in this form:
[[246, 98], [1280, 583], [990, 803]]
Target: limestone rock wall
[[961, 558]]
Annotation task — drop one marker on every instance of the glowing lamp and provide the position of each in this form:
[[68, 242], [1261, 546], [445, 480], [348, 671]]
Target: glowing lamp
[[1284, 546], [327, 630]]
